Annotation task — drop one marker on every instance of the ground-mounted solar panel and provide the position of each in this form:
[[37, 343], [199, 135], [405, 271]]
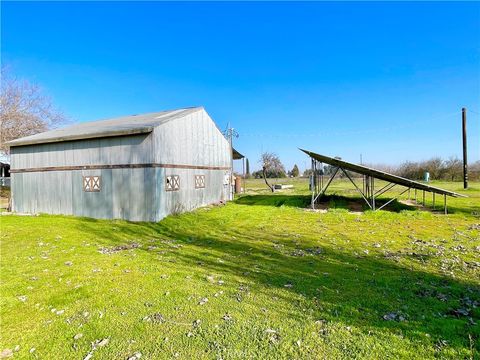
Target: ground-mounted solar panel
[[369, 197]]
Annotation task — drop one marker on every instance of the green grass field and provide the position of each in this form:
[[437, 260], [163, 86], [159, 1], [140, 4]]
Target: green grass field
[[263, 277]]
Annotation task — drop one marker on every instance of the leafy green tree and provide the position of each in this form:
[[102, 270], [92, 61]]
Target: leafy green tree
[[295, 172]]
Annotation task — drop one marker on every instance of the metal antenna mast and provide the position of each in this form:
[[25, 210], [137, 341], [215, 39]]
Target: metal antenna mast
[[229, 134]]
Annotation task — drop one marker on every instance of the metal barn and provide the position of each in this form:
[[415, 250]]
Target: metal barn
[[138, 168]]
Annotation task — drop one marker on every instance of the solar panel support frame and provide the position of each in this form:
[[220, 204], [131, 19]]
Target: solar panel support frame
[[368, 194]]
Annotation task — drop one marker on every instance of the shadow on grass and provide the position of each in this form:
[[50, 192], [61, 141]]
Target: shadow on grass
[[339, 286], [325, 202], [300, 201], [473, 210]]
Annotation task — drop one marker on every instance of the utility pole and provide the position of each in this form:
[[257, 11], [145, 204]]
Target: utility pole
[[361, 159], [464, 137], [229, 134]]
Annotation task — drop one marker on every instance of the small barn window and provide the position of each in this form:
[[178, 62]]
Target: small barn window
[[199, 181], [172, 183], [92, 183]]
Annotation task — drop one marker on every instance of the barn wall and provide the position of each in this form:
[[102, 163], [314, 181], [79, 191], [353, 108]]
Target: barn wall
[[188, 197], [130, 194], [133, 149], [125, 193], [191, 140], [194, 141]]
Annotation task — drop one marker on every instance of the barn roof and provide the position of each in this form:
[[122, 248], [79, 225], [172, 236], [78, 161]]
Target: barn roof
[[125, 125]]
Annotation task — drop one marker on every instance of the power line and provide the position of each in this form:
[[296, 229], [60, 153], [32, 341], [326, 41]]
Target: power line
[[406, 125]]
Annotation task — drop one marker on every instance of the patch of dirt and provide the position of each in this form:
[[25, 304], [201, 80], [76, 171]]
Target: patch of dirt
[[316, 210], [419, 205], [6, 213], [115, 249], [4, 202], [354, 206], [409, 202]]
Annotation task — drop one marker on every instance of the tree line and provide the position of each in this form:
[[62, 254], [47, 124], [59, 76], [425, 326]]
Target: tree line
[[439, 169]]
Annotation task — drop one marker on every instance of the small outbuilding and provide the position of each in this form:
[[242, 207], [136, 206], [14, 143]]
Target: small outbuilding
[[4, 172], [139, 168]]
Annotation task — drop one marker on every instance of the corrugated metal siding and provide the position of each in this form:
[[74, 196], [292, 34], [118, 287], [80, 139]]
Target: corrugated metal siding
[[125, 194], [135, 149], [189, 198], [193, 140]]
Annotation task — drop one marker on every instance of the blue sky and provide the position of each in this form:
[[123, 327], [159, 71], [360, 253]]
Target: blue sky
[[385, 80]]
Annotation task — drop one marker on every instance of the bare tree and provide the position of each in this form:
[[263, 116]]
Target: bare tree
[[435, 166], [271, 167], [474, 171], [454, 169], [439, 169], [24, 110], [410, 170]]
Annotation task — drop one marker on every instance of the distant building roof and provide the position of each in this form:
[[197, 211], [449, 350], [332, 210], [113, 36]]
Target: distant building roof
[[126, 125], [4, 158], [237, 155]]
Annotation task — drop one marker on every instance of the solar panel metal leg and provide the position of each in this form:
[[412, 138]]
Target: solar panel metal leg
[[321, 175], [312, 185], [313, 203], [318, 191], [367, 186], [322, 191], [373, 193], [445, 203], [433, 201], [358, 189]]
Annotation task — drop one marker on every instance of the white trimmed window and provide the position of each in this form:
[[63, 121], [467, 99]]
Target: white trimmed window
[[172, 183], [199, 181], [92, 183]]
